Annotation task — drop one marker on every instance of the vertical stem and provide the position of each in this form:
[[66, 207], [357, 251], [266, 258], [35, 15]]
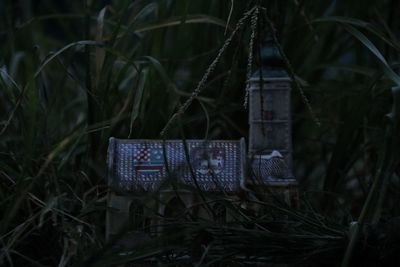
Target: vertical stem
[[8, 17], [356, 231], [88, 82], [369, 208]]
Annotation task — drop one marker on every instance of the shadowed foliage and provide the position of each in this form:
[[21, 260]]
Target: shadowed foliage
[[74, 73]]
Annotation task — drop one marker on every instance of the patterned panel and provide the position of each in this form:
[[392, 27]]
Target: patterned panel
[[271, 167], [140, 164]]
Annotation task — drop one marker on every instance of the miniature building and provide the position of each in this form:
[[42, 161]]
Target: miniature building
[[148, 166], [270, 139], [269, 108]]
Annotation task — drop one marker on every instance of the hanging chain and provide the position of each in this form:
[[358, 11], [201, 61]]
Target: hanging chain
[[254, 19], [210, 69]]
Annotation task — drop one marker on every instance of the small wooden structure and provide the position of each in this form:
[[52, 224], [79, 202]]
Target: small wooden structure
[[146, 166]]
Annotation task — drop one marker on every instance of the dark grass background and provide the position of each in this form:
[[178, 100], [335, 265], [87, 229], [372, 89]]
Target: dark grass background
[[74, 73]]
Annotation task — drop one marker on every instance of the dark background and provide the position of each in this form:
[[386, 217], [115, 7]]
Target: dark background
[[58, 107]]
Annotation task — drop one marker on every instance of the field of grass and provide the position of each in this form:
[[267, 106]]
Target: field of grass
[[74, 73]]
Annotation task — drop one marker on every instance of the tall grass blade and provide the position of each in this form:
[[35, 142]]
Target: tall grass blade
[[138, 99], [62, 50]]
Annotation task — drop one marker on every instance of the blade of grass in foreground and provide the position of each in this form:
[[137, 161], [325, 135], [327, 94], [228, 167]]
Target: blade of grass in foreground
[[62, 50], [138, 99]]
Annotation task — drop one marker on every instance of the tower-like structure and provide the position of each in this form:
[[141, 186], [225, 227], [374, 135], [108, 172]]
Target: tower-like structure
[[270, 133], [269, 107]]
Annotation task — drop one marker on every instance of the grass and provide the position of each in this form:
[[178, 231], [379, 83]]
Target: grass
[[74, 74]]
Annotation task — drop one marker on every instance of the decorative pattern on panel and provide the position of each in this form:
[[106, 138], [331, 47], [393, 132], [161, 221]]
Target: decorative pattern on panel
[[140, 164], [272, 169]]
